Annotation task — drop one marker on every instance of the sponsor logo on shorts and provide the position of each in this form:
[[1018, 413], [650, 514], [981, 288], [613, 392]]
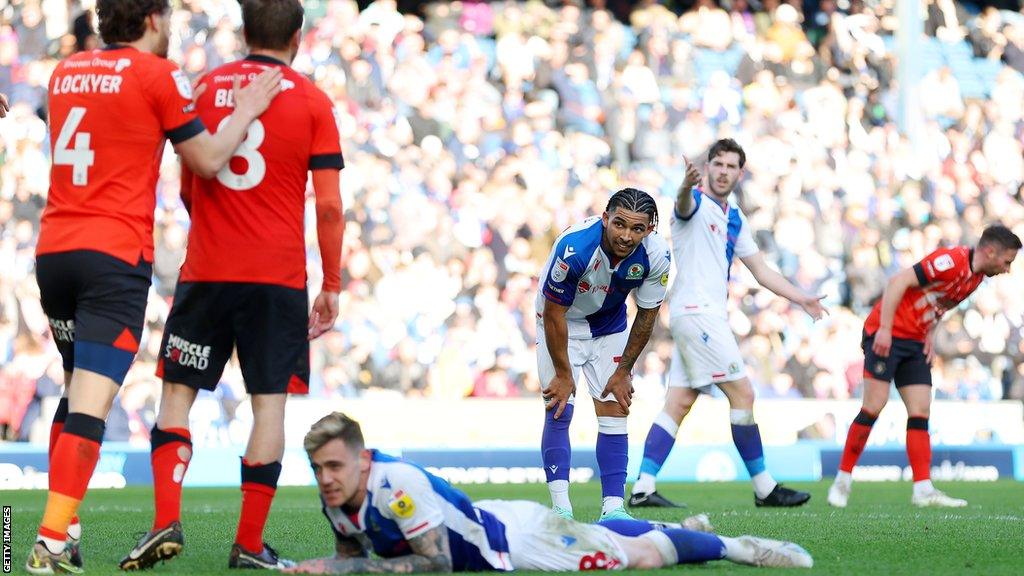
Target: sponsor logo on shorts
[[879, 368], [734, 368], [185, 353], [63, 330], [664, 279], [635, 271]]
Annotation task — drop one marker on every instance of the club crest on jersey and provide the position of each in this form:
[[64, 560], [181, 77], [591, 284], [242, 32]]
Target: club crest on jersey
[[943, 263], [635, 271], [401, 504], [182, 84], [559, 271]]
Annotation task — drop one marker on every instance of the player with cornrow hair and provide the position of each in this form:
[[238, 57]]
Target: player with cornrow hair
[[581, 327]]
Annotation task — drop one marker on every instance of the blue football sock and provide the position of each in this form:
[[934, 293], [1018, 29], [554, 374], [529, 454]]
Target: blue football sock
[[612, 458], [656, 449], [554, 444], [694, 547], [747, 438]]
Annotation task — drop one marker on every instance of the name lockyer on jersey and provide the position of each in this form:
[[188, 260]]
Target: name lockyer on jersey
[[110, 112], [704, 245], [579, 274]]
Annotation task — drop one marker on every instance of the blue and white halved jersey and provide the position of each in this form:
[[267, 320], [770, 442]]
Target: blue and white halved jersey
[[578, 274], [704, 245], [403, 501]]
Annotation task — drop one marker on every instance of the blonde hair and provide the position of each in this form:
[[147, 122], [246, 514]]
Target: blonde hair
[[334, 426]]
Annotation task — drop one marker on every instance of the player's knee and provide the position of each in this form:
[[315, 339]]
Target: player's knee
[[742, 398], [645, 555], [678, 405], [563, 420], [103, 359]]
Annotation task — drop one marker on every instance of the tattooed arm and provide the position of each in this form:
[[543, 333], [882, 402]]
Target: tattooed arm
[[430, 554], [348, 547], [639, 335]]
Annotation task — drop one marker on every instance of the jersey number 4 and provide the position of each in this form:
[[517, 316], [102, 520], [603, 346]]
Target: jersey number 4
[[81, 156], [248, 150]]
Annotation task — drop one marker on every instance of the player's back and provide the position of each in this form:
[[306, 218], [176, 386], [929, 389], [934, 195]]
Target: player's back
[[247, 223], [110, 113]]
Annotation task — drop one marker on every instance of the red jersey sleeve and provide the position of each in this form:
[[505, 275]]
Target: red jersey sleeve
[[942, 265], [170, 93], [325, 149]]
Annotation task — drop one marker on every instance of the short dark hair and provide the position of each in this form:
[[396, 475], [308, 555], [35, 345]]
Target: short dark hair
[[123, 21], [635, 200], [727, 145], [334, 426], [270, 24], [1001, 236]]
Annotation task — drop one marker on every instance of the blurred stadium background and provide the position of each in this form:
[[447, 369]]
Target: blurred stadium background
[[474, 131]]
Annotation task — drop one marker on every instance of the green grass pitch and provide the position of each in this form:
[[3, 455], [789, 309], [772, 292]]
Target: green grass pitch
[[879, 533]]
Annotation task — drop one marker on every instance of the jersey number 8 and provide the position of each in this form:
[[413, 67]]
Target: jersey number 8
[[248, 150]]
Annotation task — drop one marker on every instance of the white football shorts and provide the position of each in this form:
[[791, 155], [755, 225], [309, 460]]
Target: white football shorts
[[539, 539], [705, 352], [597, 358]]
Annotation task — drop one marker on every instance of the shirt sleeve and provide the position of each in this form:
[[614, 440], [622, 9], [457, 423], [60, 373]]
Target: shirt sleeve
[[559, 284], [745, 244], [412, 503], [325, 149], [651, 293], [693, 208], [170, 93], [941, 265]]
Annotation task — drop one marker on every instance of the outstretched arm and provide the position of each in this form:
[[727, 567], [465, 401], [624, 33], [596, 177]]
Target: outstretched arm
[[778, 284], [430, 554], [684, 198]]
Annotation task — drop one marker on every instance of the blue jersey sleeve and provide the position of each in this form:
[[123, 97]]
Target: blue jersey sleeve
[[559, 284]]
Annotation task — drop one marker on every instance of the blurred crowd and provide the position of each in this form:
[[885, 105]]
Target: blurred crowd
[[474, 132]]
